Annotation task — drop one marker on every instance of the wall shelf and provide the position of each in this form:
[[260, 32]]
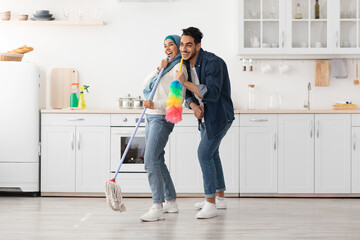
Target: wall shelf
[[55, 23]]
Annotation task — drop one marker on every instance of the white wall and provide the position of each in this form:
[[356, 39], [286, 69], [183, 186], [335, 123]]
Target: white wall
[[113, 59]]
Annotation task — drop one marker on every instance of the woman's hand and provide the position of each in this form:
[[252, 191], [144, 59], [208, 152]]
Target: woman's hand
[[180, 76], [149, 104], [163, 64]]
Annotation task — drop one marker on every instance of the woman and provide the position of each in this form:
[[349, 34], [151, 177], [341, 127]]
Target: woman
[[158, 131]]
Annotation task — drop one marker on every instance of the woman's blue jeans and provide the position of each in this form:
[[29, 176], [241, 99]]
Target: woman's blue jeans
[[208, 154], [157, 133]]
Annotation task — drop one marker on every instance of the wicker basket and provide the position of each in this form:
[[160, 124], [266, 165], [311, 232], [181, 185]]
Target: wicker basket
[[344, 106], [11, 57]]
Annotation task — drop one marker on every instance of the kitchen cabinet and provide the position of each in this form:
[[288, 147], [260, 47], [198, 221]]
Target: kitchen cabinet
[[184, 164], [296, 153], [269, 27], [75, 152], [332, 153], [258, 153], [355, 158]]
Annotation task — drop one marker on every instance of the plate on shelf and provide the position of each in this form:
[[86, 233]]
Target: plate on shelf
[[42, 19]]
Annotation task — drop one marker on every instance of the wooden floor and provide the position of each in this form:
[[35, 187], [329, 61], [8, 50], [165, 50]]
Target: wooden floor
[[246, 218]]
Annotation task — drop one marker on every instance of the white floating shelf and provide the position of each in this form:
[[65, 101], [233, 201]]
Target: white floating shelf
[[56, 23], [145, 0]]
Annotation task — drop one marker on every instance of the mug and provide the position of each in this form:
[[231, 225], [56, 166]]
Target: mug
[[318, 44], [266, 68], [283, 68]]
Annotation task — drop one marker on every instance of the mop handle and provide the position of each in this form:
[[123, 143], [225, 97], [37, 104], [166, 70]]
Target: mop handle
[[139, 121]]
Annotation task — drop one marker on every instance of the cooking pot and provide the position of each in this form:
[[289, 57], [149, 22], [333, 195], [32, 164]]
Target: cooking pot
[[138, 102], [126, 102]]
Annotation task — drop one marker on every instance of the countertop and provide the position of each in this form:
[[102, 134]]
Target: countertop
[[187, 111]]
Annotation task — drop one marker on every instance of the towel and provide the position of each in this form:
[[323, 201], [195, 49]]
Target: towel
[[338, 68]]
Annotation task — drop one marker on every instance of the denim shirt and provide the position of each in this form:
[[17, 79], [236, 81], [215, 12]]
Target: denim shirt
[[216, 91]]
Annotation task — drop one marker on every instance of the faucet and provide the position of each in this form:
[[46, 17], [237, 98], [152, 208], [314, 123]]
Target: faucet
[[307, 105]]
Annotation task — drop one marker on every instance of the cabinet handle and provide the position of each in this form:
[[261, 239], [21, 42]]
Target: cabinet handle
[[75, 119], [317, 129], [78, 141], [354, 139], [282, 39], [311, 128], [258, 120], [275, 141], [72, 141]]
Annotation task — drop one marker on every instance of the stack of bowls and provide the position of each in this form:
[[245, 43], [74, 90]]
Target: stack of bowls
[[42, 15], [5, 16]]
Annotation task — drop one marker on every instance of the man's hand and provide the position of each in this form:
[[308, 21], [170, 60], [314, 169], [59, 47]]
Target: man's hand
[[198, 110], [180, 76], [149, 104]]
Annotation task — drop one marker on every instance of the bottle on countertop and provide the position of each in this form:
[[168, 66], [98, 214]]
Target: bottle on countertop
[[317, 9], [74, 100], [251, 99], [298, 14]]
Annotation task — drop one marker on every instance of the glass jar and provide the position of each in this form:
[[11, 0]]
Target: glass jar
[[251, 95]]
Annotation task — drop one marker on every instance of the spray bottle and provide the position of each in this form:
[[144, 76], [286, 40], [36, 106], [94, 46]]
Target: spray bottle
[[82, 98], [74, 100]]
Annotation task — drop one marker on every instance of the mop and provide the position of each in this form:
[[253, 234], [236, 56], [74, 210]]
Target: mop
[[113, 190], [174, 101]]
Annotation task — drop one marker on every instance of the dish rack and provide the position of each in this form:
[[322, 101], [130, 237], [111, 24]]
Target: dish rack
[[340, 106], [11, 57]]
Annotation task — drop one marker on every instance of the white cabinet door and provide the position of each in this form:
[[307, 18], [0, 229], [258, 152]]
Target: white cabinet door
[[346, 26], [355, 164], [332, 153], [309, 35], [58, 159], [229, 155], [261, 26], [184, 165], [92, 158], [258, 159], [296, 153]]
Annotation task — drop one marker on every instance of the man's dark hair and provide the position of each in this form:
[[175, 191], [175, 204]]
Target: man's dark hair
[[193, 32]]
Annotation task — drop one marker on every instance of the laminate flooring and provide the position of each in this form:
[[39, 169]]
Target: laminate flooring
[[245, 218]]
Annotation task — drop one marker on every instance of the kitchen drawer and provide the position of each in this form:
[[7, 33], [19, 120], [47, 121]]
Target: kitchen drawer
[[75, 119], [355, 120], [256, 120]]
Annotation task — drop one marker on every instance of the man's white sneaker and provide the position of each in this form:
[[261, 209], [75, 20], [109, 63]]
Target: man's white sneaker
[[220, 203], [170, 207], [154, 214], [208, 211]]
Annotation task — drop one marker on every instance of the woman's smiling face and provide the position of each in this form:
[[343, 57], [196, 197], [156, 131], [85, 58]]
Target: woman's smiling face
[[170, 48]]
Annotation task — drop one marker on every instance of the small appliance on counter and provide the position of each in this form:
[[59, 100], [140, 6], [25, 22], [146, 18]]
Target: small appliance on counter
[[129, 102]]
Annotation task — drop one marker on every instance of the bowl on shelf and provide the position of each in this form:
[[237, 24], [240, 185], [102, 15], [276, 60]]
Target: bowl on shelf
[[22, 17], [5, 16]]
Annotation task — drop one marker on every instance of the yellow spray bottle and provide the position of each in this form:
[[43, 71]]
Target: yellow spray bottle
[[82, 98]]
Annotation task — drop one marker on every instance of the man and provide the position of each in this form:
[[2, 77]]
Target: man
[[208, 95]]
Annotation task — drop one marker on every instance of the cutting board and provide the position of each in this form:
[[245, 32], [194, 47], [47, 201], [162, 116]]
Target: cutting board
[[60, 86], [322, 73]]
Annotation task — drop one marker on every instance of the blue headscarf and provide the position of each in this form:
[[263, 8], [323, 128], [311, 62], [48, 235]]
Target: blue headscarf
[[172, 63]]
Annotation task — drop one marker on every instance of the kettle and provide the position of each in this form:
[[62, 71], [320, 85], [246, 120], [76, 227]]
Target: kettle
[[274, 100]]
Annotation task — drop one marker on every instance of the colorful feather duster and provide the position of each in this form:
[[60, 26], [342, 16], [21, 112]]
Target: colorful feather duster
[[174, 101]]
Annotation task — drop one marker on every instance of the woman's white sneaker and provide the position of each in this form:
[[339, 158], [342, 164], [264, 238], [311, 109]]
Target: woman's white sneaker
[[170, 207], [208, 211], [154, 214], [220, 203]]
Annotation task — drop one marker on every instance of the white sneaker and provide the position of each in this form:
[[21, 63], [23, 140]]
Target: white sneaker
[[170, 207], [220, 203], [208, 211], [154, 214]]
